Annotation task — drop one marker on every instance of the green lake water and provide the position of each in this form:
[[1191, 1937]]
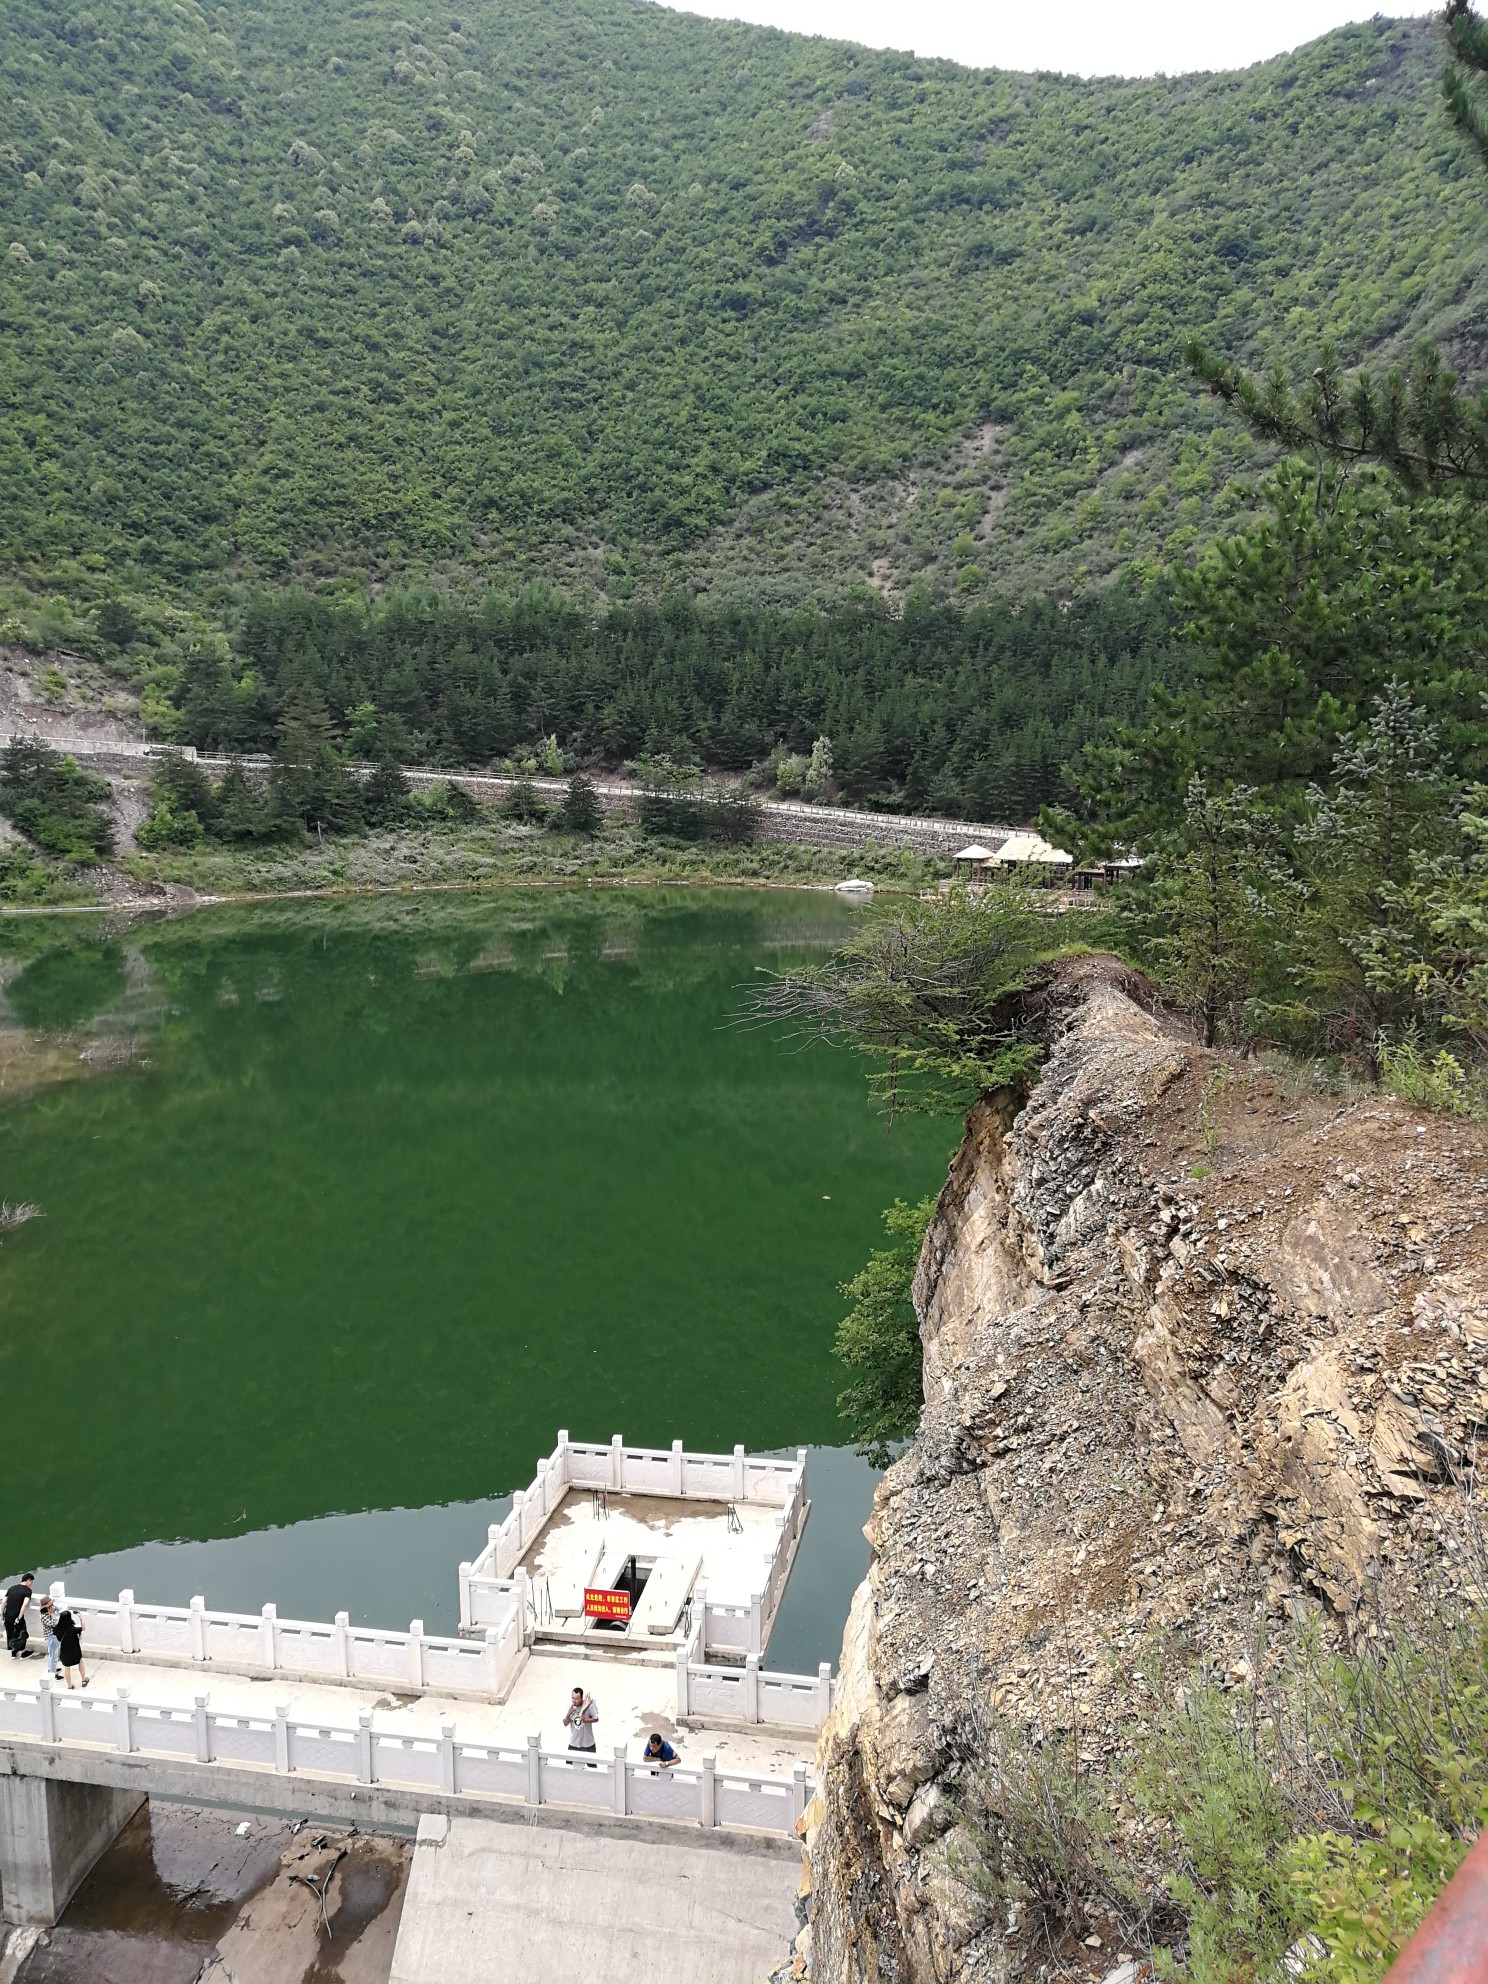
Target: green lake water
[[391, 1190]]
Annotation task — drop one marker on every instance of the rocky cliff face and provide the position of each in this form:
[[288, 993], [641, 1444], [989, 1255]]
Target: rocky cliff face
[[1199, 1350]]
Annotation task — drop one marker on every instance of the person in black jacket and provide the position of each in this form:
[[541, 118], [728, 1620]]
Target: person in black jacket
[[17, 1604], [70, 1641]]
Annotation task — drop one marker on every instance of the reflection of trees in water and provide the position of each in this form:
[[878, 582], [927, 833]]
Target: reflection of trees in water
[[818, 933], [124, 985], [10, 969], [64, 979], [68, 986]]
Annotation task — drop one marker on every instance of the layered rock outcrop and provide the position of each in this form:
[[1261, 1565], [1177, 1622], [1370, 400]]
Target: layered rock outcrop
[[1203, 1350]]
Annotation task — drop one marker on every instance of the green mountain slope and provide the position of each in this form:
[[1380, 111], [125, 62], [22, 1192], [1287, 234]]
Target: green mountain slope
[[589, 289]]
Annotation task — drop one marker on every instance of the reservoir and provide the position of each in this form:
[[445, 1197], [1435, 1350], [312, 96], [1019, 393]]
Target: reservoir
[[347, 1207]]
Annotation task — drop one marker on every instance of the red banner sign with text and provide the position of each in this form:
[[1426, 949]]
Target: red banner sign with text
[[606, 1604]]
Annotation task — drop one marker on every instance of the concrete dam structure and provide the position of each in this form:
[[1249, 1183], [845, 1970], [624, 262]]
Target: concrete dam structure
[[395, 1728]]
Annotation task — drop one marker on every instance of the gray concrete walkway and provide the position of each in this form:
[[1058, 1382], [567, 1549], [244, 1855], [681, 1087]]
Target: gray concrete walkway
[[499, 1904]]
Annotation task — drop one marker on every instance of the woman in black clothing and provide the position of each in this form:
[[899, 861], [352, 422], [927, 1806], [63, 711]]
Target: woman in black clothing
[[70, 1644]]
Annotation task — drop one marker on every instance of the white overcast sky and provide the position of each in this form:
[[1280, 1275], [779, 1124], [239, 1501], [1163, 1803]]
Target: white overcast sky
[[1139, 38]]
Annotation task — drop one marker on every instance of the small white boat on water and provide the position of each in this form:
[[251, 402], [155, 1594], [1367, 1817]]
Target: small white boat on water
[[861, 891]]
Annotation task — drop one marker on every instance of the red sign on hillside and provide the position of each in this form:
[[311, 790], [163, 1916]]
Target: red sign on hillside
[[605, 1604]]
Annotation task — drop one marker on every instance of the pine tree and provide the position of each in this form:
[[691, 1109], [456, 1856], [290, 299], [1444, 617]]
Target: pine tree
[[1419, 421], [1433, 951], [580, 810], [1205, 921], [1389, 807], [385, 795], [242, 812]]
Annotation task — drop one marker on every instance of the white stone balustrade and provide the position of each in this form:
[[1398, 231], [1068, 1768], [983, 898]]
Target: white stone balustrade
[[749, 1694], [414, 1662], [490, 1581], [282, 1745], [752, 1694], [495, 1607]]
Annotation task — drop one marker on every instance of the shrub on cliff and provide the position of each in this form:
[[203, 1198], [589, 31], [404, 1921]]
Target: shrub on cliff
[[1295, 1821], [928, 990], [879, 1339]]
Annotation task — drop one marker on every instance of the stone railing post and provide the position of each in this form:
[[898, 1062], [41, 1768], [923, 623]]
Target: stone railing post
[[526, 1617], [416, 1653], [126, 1622], [343, 1645], [465, 1619], [534, 1770], [676, 1474], [124, 1729], [756, 1608], [798, 1792], [46, 1701], [268, 1638], [493, 1545], [751, 1688], [197, 1627], [618, 1783], [736, 1484], [447, 1758], [519, 1518], [823, 1692], [203, 1729], [364, 1747], [617, 1463], [564, 1459], [710, 1790], [491, 1662], [682, 1688], [281, 1738]]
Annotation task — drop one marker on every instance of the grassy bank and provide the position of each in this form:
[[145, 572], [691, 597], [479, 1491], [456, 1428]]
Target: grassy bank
[[500, 851]]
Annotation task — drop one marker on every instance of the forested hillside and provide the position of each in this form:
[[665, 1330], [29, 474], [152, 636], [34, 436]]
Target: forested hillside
[[588, 290]]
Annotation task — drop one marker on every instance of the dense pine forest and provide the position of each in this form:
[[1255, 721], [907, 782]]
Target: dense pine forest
[[967, 712]]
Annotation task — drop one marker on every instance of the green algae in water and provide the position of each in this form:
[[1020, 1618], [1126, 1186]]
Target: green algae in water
[[393, 1190]]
